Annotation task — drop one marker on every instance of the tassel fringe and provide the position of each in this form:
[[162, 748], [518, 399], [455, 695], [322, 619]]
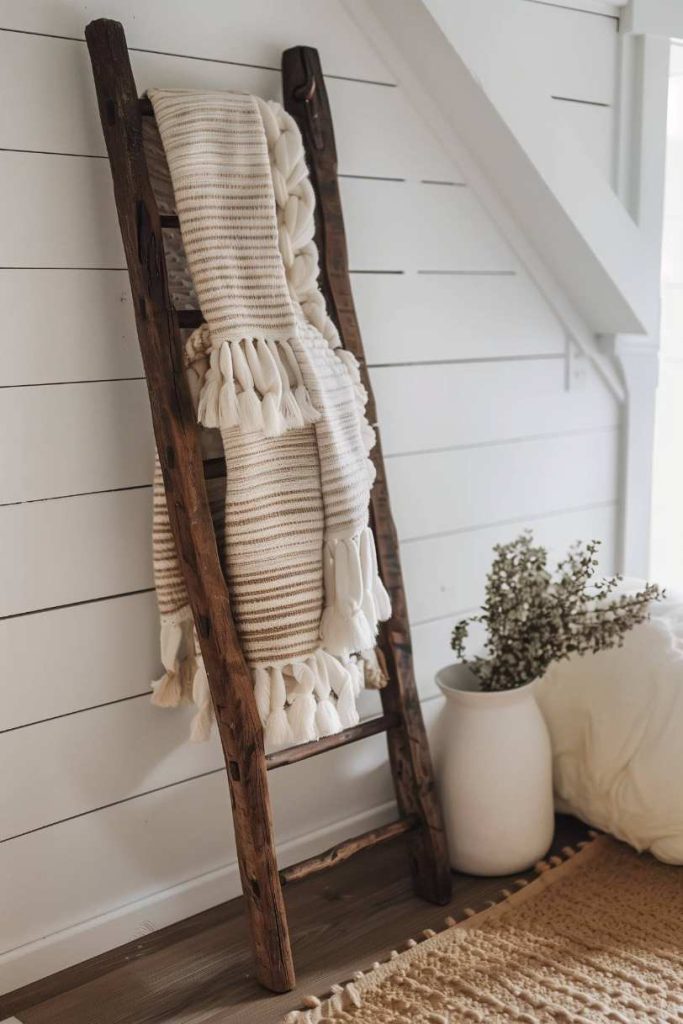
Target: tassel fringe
[[356, 598], [305, 700], [178, 656], [251, 383]]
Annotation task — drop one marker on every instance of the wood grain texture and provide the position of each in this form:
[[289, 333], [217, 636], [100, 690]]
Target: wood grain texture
[[306, 100], [292, 755], [198, 970], [180, 457], [346, 849]]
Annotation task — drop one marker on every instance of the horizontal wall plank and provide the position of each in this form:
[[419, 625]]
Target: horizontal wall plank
[[79, 438], [58, 113], [431, 407], [58, 211], [73, 658], [424, 317], [594, 129], [98, 545], [74, 764], [462, 489], [75, 438], [447, 573], [66, 325], [575, 53], [214, 30], [88, 318], [75, 549], [408, 226]]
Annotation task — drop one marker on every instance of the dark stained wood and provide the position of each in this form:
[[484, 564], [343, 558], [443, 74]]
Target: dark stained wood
[[371, 727], [189, 318], [347, 849], [199, 971], [181, 461], [305, 98], [184, 473]]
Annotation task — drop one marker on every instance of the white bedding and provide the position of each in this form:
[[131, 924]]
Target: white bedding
[[616, 723]]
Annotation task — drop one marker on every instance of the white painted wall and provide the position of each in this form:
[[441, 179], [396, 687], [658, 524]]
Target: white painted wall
[[111, 824]]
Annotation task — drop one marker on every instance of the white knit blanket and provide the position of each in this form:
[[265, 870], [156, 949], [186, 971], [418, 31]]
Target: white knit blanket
[[271, 377]]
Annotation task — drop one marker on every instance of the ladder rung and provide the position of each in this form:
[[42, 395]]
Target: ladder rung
[[347, 849], [340, 739], [189, 317], [214, 468]]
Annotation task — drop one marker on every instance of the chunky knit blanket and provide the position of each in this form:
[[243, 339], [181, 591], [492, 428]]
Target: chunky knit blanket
[[271, 378]]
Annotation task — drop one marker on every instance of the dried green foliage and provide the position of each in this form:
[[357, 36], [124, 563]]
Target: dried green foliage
[[534, 617]]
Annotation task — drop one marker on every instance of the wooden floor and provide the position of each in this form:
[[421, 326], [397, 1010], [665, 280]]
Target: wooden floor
[[199, 970]]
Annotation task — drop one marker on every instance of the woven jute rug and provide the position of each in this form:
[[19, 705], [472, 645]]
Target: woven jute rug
[[596, 937]]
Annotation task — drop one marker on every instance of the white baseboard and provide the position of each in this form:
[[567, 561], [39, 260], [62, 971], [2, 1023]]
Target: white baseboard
[[44, 956]]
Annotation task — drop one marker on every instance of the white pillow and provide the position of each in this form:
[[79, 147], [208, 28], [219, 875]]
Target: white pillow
[[616, 724]]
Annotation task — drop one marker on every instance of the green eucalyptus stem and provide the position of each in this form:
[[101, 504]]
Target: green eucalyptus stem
[[534, 617]]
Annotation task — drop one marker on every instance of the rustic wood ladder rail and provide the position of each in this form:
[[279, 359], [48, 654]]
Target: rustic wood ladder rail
[[177, 438]]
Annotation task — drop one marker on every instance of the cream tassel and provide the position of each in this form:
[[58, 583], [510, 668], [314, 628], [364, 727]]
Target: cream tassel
[[177, 646], [167, 690], [375, 676], [344, 627], [356, 670], [208, 407], [268, 382], [200, 730], [289, 407], [278, 732], [302, 711], [251, 416], [262, 693], [228, 408], [308, 410], [346, 705], [326, 717], [344, 681], [372, 582]]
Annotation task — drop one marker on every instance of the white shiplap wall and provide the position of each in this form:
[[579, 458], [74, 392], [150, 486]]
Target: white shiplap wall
[[111, 824]]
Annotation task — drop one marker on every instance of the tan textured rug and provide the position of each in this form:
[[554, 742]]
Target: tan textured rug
[[595, 938]]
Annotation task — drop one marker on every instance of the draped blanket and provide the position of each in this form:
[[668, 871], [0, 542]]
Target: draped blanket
[[272, 381]]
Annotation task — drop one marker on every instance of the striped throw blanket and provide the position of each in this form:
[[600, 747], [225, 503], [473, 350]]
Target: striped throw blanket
[[272, 382]]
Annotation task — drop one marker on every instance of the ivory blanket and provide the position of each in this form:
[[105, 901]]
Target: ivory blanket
[[286, 400]]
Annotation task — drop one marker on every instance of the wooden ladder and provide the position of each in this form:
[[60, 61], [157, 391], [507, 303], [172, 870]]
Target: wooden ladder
[[177, 439]]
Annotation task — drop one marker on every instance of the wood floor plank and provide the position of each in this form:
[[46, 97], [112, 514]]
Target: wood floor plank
[[199, 971]]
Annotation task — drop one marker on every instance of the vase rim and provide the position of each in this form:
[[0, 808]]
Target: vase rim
[[457, 682]]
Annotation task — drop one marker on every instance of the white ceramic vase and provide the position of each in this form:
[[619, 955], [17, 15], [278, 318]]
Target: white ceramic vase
[[495, 775]]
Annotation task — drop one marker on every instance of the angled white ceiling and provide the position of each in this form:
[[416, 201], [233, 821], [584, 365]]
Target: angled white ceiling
[[485, 89]]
